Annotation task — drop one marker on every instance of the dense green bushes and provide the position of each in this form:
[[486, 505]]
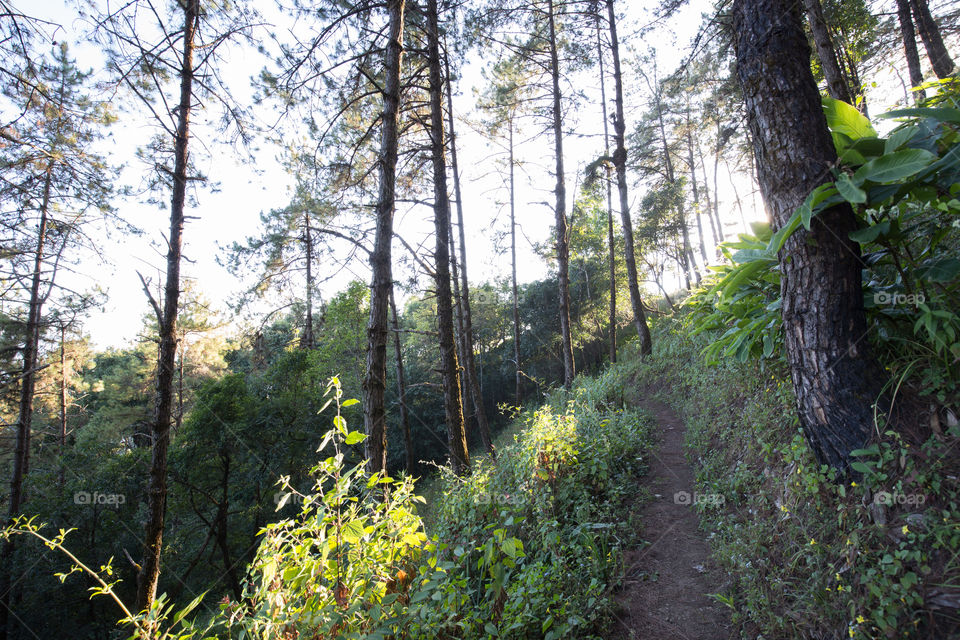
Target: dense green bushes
[[527, 547], [562, 491]]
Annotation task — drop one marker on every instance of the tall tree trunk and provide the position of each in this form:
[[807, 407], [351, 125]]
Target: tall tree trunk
[[374, 382], [687, 262], [62, 436], [835, 379], [620, 163], [220, 525], [469, 365], [910, 47], [836, 85], [308, 341], [562, 239], [940, 59], [453, 410], [157, 489], [31, 347], [513, 273], [852, 74], [738, 201], [460, 337], [708, 202], [401, 388], [178, 414], [21, 454], [696, 192], [612, 322], [716, 189]]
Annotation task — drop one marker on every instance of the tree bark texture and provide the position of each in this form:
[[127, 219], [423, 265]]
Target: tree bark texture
[[909, 35], [612, 263], [469, 364], [308, 341], [834, 376], [940, 59], [449, 367], [157, 489], [459, 334], [62, 435], [374, 383], [562, 239], [620, 163], [836, 85]]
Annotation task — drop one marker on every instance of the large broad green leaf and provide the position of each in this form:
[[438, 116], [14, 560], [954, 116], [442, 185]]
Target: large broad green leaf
[[943, 114], [750, 255], [895, 166], [780, 237], [870, 146], [352, 531], [742, 274], [844, 118], [940, 269], [849, 191], [871, 233], [899, 138]]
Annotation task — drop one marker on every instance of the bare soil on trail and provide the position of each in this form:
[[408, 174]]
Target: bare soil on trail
[[668, 576]]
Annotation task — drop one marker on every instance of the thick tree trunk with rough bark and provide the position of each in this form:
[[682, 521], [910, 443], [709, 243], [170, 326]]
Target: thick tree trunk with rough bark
[[401, 388], [620, 163], [469, 366], [157, 489], [453, 410], [836, 85], [835, 378], [374, 383], [940, 59], [910, 47], [560, 212]]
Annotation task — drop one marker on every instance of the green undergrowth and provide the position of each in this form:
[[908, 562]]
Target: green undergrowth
[[809, 556], [536, 538], [528, 546]]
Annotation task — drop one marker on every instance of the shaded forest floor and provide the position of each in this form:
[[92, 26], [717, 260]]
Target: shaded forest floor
[[668, 576]]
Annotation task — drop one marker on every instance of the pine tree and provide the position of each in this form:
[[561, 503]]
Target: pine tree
[[54, 188]]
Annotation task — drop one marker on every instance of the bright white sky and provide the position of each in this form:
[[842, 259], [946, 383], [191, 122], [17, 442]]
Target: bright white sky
[[232, 213]]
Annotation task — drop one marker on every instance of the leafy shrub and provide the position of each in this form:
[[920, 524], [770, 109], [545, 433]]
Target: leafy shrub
[[905, 190]]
